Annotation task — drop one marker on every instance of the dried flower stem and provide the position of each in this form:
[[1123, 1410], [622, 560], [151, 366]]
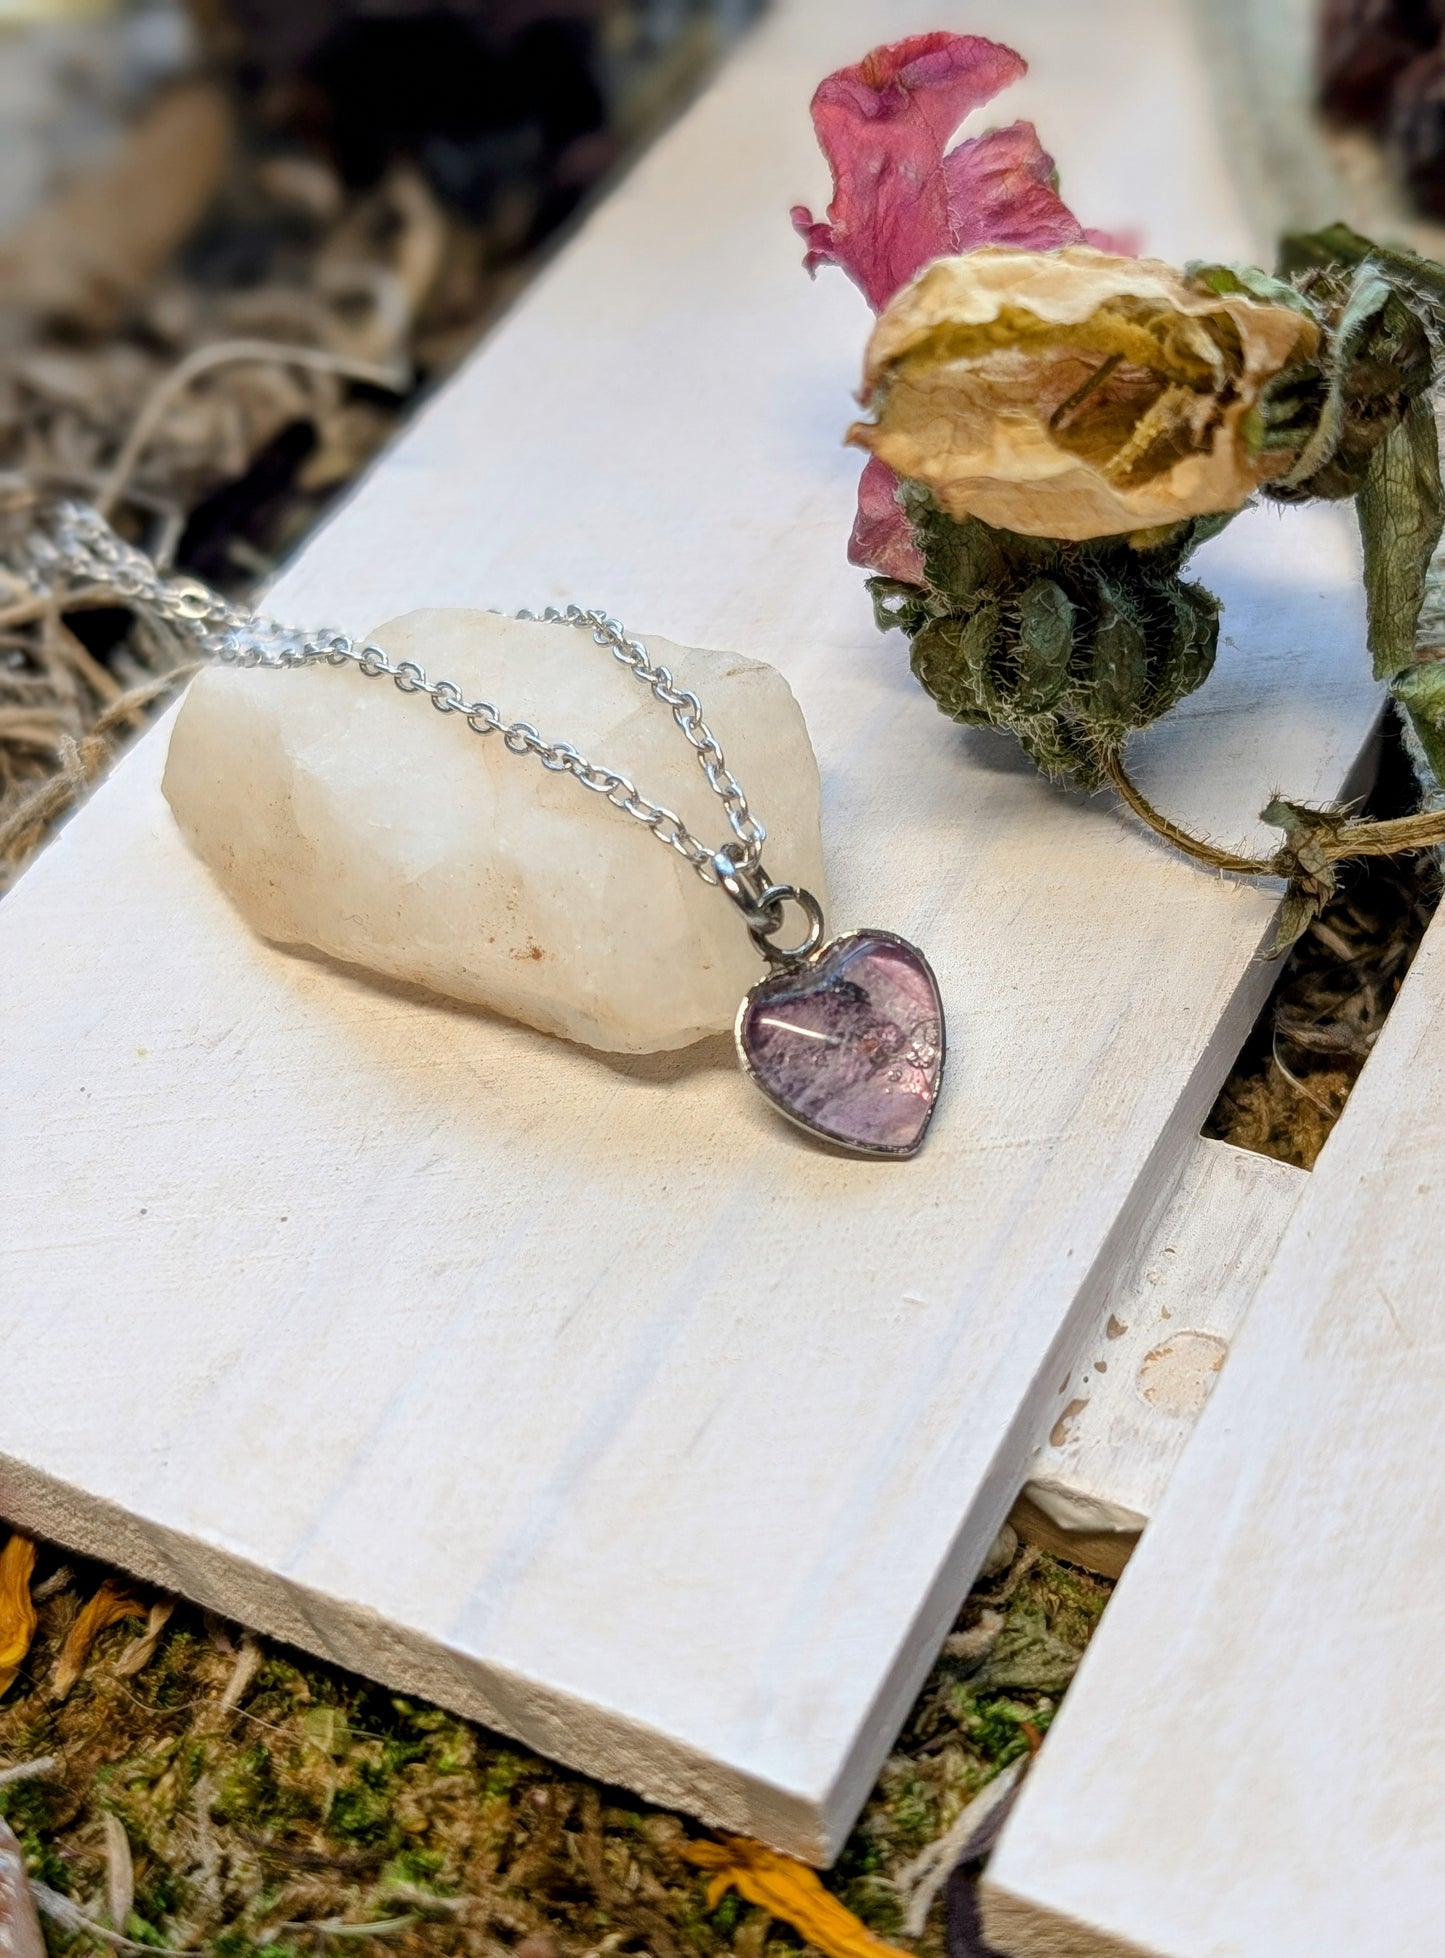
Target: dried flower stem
[[70, 1917], [1397, 837], [1198, 847], [1334, 839]]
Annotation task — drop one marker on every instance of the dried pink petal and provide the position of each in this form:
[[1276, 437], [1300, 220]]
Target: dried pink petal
[[1001, 192], [882, 539], [900, 197], [1126, 243]]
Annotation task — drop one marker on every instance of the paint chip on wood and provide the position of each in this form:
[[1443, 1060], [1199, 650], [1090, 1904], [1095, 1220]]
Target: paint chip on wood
[[1178, 1377], [1059, 1433]]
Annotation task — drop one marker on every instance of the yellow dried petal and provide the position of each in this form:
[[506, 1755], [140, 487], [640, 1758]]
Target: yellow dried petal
[[17, 1612], [1075, 393], [789, 1890], [110, 1604]]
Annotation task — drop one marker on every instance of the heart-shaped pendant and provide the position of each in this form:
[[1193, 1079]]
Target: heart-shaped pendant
[[849, 1042]]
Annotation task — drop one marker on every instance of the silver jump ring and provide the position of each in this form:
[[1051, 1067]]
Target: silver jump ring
[[762, 935]]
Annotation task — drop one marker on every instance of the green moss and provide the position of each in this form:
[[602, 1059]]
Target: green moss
[[320, 1796]]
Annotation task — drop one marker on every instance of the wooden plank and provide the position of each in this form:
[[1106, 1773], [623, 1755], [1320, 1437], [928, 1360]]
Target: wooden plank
[[1248, 1762], [581, 1396], [1153, 1355], [1105, 1552]]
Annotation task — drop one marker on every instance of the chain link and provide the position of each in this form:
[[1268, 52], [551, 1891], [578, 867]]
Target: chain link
[[76, 544]]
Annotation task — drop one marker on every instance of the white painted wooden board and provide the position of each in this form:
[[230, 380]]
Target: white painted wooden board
[[1248, 1763], [579, 1395], [1161, 1335]]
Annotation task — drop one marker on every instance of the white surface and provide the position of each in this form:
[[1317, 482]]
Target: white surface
[[1248, 1763], [586, 1397], [1155, 1350]]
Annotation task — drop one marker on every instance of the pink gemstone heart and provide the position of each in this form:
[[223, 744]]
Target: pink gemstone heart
[[850, 1043]]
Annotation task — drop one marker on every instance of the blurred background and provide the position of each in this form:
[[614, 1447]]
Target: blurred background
[[366, 178], [237, 237]]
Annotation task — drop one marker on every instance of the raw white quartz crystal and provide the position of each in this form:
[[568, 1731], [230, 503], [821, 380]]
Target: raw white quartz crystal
[[343, 815]]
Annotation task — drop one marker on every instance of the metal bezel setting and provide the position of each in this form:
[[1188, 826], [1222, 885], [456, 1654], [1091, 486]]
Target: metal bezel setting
[[875, 1152]]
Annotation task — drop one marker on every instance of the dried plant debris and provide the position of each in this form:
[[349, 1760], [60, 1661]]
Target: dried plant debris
[[1294, 1075], [788, 1890], [19, 1920], [17, 1606], [230, 1797], [208, 333], [84, 256], [212, 422], [211, 325], [110, 1604]]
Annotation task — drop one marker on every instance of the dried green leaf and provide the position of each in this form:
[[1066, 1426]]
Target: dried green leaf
[[1401, 511], [1332, 244], [1237, 277], [1045, 643], [1118, 656], [1420, 690], [1309, 862], [1369, 297], [1296, 914]]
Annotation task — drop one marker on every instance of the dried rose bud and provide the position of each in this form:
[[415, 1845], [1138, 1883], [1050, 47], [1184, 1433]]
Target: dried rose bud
[[1075, 394]]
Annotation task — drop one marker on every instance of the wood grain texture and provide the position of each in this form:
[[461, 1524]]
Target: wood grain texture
[[1153, 1356], [1249, 1760], [1105, 1552], [584, 1397]]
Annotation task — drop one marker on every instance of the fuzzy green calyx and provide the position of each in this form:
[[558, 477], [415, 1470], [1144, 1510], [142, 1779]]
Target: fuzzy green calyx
[[1066, 646]]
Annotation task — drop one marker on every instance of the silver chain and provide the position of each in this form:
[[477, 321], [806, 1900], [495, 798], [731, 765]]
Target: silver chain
[[75, 544]]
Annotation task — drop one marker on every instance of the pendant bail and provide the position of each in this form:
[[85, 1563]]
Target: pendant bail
[[761, 902]]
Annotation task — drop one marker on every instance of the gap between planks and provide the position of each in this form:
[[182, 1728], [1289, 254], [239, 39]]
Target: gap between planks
[[1249, 1760]]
